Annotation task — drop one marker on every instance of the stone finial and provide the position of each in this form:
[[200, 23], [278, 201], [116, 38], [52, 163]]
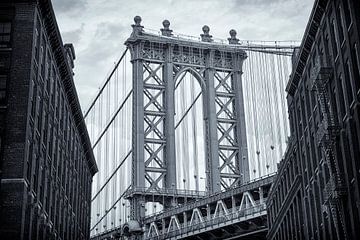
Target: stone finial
[[233, 39], [206, 29], [137, 20], [166, 31], [206, 37], [137, 28], [166, 24]]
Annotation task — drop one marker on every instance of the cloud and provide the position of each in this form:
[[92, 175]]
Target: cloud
[[73, 36], [98, 28], [96, 57], [69, 6]]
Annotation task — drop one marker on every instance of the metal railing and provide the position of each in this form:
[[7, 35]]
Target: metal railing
[[167, 192], [253, 44], [213, 221], [154, 215]]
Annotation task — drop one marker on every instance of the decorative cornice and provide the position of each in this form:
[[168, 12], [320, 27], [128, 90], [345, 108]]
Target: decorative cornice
[[162, 39], [48, 16], [306, 45]]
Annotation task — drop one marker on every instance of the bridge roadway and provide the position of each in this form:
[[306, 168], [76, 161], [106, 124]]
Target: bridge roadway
[[238, 213]]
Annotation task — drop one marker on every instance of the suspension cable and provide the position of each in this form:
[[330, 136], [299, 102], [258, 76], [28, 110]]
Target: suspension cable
[[112, 119], [105, 84], [112, 175], [112, 207], [195, 152], [188, 110]]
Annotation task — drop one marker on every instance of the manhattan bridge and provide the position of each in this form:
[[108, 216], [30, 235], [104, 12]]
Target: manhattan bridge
[[187, 133]]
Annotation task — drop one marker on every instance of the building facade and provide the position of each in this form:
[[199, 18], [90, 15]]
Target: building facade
[[46, 158], [316, 193]]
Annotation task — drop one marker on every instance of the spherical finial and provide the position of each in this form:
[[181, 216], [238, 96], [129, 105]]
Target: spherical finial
[[166, 24], [232, 33], [233, 39], [137, 20], [206, 29]]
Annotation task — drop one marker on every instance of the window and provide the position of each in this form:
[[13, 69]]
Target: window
[[340, 25], [347, 13], [5, 32], [348, 79], [341, 99], [303, 113], [3, 79], [334, 39], [334, 104], [355, 62], [327, 47]]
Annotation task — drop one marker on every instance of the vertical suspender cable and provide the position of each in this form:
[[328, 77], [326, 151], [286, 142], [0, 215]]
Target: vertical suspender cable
[[269, 112], [254, 105], [286, 76], [124, 132], [265, 116], [276, 104], [282, 98], [258, 110], [105, 84], [184, 131], [260, 93], [195, 150], [273, 110], [282, 103]]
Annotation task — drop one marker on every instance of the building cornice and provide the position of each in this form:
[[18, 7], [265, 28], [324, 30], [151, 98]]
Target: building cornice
[[48, 16], [306, 45]]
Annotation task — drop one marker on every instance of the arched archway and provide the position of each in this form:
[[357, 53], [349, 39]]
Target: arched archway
[[190, 129]]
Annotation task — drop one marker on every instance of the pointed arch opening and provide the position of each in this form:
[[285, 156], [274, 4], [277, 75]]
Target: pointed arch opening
[[190, 130]]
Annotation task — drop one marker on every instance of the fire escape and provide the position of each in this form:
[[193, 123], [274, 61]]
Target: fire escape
[[328, 130]]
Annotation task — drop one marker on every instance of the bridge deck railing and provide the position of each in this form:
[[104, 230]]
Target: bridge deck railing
[[213, 221], [166, 192], [154, 215], [248, 43]]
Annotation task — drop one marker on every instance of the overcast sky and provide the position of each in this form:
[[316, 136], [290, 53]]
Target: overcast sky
[[98, 28]]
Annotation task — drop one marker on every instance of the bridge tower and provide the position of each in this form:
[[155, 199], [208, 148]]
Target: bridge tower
[[158, 61]]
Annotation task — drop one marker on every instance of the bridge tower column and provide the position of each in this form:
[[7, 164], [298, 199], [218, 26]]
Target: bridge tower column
[[137, 202], [212, 163], [170, 156], [243, 160]]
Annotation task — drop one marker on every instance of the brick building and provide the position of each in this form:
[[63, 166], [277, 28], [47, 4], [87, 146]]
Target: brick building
[[316, 193], [46, 159]]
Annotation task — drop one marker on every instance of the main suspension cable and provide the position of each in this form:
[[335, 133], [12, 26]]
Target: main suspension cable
[[112, 119], [105, 84], [112, 175], [112, 207]]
